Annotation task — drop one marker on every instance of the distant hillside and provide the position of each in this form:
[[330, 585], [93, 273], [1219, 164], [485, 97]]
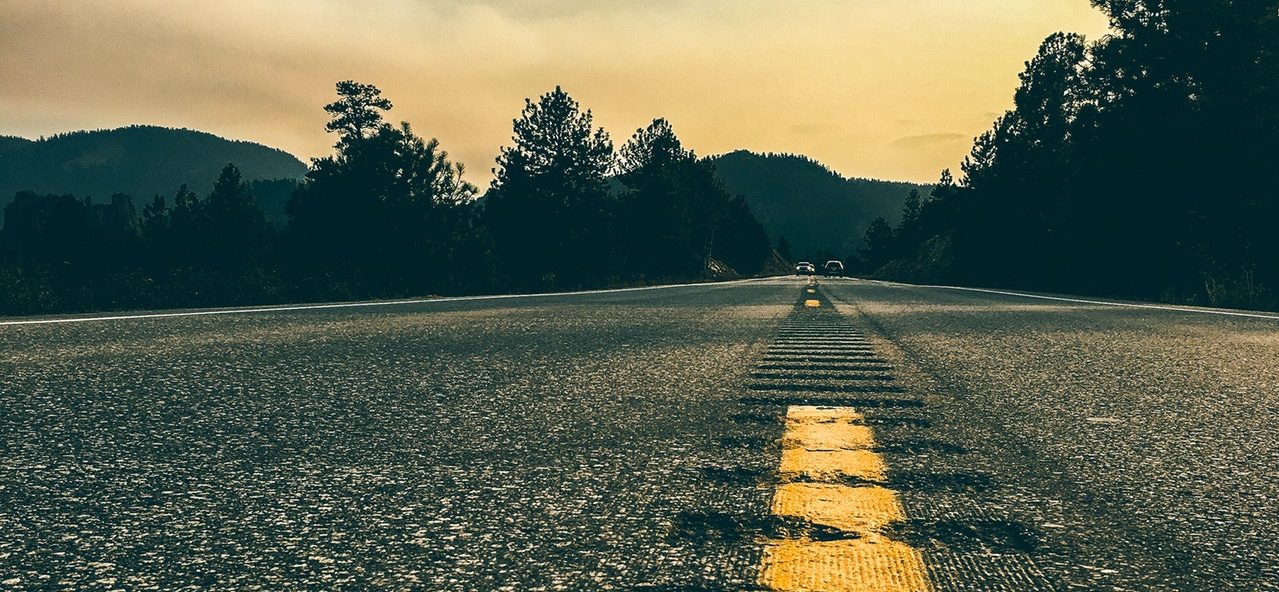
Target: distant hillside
[[10, 144], [141, 161], [811, 206]]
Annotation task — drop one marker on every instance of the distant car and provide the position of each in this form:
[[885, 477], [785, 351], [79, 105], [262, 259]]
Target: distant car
[[805, 268], [834, 268]]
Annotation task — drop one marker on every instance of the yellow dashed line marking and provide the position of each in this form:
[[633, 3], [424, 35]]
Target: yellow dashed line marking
[[852, 509], [813, 303], [832, 464], [831, 434], [825, 427], [825, 446], [859, 565], [796, 414]]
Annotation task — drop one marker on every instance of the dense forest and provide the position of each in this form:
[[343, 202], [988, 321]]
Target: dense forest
[[141, 161], [800, 201], [388, 214], [811, 211], [1138, 165]]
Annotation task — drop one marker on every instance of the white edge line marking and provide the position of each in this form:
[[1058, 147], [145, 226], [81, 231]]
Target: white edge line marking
[[1210, 311], [287, 308]]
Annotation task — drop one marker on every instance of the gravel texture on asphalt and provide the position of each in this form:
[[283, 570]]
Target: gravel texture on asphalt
[[564, 443], [1121, 448], [629, 440]]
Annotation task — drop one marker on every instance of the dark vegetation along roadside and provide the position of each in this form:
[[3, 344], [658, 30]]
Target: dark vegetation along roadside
[[1141, 165], [812, 212], [387, 215], [142, 161]]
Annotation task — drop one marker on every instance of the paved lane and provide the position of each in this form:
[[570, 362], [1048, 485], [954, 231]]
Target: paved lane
[[641, 440], [555, 443], [1138, 447]]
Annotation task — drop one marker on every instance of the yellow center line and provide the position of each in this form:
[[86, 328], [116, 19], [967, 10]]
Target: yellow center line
[[826, 446], [841, 435], [836, 566], [813, 303], [866, 509], [832, 464]]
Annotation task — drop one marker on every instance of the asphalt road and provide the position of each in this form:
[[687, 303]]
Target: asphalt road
[[632, 440]]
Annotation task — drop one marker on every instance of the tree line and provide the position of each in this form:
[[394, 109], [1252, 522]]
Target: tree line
[[1138, 165], [389, 214]]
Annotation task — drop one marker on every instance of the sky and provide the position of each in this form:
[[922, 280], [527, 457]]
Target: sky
[[888, 89]]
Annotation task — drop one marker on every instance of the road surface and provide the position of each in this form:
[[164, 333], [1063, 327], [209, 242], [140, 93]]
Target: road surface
[[749, 435]]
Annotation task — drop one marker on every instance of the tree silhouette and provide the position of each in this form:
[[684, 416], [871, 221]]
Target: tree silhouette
[[1138, 165], [671, 206], [739, 239], [881, 244], [239, 242], [910, 229], [357, 112], [188, 230], [655, 147], [378, 217], [548, 205], [389, 214], [62, 253]]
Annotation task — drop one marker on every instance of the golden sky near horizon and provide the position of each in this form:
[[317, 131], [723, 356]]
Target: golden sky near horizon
[[891, 89]]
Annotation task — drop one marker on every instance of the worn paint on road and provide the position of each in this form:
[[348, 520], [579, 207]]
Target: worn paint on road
[[826, 446], [838, 566]]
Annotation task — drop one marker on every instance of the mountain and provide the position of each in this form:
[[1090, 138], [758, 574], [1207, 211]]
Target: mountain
[[140, 161], [812, 207]]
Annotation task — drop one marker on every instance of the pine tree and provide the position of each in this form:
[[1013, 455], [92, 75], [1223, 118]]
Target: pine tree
[[667, 212], [378, 218], [548, 205], [358, 111], [880, 244]]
